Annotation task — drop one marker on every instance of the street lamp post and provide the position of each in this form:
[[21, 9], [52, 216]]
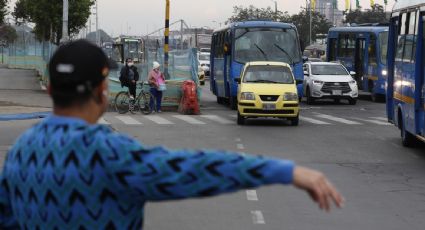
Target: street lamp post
[[65, 36]]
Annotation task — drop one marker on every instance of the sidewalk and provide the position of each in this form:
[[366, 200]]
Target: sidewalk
[[20, 92]]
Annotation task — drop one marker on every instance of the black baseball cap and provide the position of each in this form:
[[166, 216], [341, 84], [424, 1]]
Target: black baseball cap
[[78, 67]]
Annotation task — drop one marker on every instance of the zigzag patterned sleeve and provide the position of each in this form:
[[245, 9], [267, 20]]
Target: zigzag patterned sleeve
[[7, 220], [160, 174]]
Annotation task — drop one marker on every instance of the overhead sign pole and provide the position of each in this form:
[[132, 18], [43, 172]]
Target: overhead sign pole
[[166, 40], [65, 21]]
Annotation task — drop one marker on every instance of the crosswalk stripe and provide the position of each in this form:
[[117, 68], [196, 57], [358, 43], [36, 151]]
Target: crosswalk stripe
[[128, 120], [338, 119], [159, 120], [189, 119], [218, 119], [372, 121], [314, 121], [380, 118], [102, 121]]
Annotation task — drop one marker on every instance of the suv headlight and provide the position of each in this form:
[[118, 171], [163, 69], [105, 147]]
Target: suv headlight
[[352, 82], [316, 82], [247, 96], [290, 97]]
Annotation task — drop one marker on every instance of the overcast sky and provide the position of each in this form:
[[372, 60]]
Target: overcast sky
[[141, 16]]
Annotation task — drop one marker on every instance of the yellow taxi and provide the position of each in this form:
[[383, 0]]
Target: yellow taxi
[[267, 89]]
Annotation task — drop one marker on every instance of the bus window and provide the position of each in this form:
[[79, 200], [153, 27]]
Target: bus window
[[383, 45], [401, 37], [410, 38], [346, 45], [332, 49], [372, 50]]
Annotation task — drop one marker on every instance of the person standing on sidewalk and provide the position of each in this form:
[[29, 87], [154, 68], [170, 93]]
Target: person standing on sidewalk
[[68, 172], [157, 87]]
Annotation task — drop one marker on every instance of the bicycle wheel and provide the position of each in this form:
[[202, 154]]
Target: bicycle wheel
[[143, 103], [122, 102]]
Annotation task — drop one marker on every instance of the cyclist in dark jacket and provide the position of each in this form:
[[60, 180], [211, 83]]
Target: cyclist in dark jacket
[[129, 76]]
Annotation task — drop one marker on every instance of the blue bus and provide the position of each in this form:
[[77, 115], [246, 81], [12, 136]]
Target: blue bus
[[243, 42], [406, 70], [362, 49]]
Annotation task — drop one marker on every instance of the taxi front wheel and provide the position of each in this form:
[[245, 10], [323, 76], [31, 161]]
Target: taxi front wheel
[[241, 119], [295, 121]]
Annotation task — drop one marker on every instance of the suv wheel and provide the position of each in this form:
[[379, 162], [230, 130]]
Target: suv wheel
[[352, 101], [310, 99]]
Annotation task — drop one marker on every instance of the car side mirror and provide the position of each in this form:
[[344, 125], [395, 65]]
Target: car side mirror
[[352, 73], [238, 80], [305, 59], [306, 73]]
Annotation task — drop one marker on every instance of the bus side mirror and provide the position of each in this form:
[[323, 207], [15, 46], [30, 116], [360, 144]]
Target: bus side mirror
[[238, 80]]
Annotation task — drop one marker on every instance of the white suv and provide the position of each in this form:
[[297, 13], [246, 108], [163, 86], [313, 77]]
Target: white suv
[[325, 80]]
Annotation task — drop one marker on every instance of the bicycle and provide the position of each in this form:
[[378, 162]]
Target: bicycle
[[123, 104]]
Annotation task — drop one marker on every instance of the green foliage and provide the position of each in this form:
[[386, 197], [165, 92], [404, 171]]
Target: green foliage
[[8, 34], [374, 15], [319, 25], [241, 13], [47, 16], [3, 10], [301, 20]]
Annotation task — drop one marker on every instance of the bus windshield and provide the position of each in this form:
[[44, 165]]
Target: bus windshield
[[383, 44], [270, 44], [268, 74]]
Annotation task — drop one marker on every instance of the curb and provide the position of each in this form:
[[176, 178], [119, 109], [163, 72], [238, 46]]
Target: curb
[[24, 116]]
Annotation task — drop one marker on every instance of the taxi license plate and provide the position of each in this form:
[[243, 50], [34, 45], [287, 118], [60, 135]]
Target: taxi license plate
[[269, 107], [337, 92]]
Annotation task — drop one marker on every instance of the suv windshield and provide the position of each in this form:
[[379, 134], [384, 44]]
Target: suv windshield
[[270, 44], [328, 70], [204, 57], [268, 74]]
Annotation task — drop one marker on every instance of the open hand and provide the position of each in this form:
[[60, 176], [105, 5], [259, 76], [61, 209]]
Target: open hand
[[318, 187]]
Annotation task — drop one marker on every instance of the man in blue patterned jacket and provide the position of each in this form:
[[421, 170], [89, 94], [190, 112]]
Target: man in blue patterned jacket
[[67, 172]]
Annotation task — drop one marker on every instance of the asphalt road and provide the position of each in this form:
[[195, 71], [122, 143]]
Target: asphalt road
[[383, 182]]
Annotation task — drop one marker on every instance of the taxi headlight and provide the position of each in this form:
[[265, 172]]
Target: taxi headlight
[[247, 96], [290, 97]]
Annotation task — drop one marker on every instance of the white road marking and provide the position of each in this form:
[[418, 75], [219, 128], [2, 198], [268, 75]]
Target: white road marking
[[372, 121], [102, 121], [234, 116], [257, 217], [218, 119], [159, 120], [314, 121], [189, 119], [338, 119], [128, 120], [238, 140], [251, 195], [240, 146], [380, 118]]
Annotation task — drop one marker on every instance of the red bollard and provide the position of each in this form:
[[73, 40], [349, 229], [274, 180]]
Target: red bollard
[[189, 102]]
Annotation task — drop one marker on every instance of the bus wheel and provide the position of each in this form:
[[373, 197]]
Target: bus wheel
[[374, 97], [407, 139], [233, 103]]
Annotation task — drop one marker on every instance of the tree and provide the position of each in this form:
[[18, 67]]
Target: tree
[[241, 13], [320, 25], [47, 16], [3, 10], [7, 34], [374, 15]]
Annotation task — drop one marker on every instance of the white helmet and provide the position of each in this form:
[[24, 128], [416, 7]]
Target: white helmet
[[156, 65]]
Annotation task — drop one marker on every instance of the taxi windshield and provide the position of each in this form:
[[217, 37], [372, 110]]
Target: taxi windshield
[[268, 74]]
